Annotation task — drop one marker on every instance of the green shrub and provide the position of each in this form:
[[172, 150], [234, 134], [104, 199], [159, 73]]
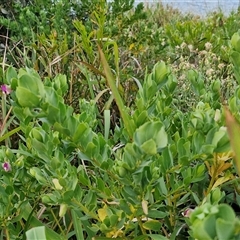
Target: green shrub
[[162, 170], [89, 183]]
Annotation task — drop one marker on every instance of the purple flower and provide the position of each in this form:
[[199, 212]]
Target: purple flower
[[6, 89], [6, 166]]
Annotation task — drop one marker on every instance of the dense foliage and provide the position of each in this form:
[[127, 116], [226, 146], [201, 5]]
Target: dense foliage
[[118, 122]]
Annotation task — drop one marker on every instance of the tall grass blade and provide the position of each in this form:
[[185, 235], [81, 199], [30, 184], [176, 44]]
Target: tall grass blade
[[107, 122], [77, 225], [10, 133], [36, 233], [130, 127], [34, 222]]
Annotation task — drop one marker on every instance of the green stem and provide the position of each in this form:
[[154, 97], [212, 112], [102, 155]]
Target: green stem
[[141, 225], [169, 201], [7, 234], [57, 222]]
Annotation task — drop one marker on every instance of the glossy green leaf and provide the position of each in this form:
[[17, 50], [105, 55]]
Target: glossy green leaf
[[235, 41], [153, 225], [162, 186], [26, 81], [149, 89], [157, 214], [215, 196], [10, 74], [37, 233], [196, 81], [60, 84], [198, 173], [82, 127], [141, 118], [32, 82], [226, 212], [160, 74], [27, 98], [38, 174], [209, 225], [64, 131], [199, 232], [124, 205], [166, 160], [149, 147], [154, 131], [235, 57], [224, 229], [221, 140]]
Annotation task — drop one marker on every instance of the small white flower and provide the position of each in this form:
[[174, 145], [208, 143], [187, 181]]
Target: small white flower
[[209, 72], [203, 52], [183, 45], [221, 65], [208, 46], [190, 47], [182, 78]]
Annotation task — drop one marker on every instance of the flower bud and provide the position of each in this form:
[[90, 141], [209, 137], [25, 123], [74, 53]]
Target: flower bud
[[63, 210], [187, 212], [6, 166]]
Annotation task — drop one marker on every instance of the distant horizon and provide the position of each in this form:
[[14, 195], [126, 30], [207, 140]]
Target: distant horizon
[[201, 7]]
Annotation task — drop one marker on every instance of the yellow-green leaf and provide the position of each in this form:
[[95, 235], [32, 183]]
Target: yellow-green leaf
[[234, 135], [102, 213]]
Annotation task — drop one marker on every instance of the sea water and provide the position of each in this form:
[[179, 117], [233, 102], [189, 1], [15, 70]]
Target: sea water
[[199, 7]]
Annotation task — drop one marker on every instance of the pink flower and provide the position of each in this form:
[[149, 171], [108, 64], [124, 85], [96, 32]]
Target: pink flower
[[187, 212], [6, 166], [6, 89]]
